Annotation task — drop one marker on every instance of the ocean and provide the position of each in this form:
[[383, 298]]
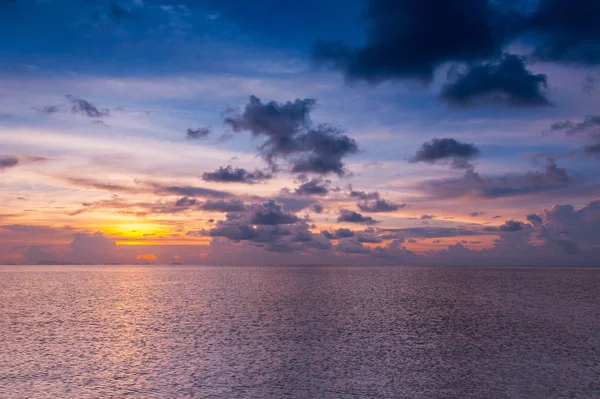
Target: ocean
[[298, 332]]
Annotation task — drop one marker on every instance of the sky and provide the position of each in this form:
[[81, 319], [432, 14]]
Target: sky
[[401, 132]]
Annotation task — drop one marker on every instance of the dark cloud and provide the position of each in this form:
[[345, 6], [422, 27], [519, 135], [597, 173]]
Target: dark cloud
[[344, 233], [568, 31], [271, 213], [457, 153], [292, 137], [85, 108], [49, 109], [293, 203], [472, 184], [185, 202], [363, 195], [317, 208], [313, 187], [410, 38], [427, 217], [198, 133], [372, 202], [230, 174], [355, 217], [534, 219], [511, 226], [352, 247], [507, 82], [234, 205], [8, 162], [590, 125], [379, 205], [589, 128], [475, 214]]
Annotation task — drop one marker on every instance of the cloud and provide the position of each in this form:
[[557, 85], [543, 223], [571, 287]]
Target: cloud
[[92, 248], [475, 214], [343, 233], [270, 213], [567, 31], [230, 174], [410, 38], [471, 183], [593, 149], [512, 226], [372, 202], [8, 162], [188, 191], [291, 136], [590, 125], [313, 187], [447, 150], [234, 205], [317, 208], [355, 217], [198, 133], [352, 247], [363, 195], [75, 105], [85, 108], [379, 205], [534, 219], [507, 82]]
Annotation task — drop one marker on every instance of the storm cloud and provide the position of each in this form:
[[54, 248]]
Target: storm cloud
[[507, 82], [410, 38]]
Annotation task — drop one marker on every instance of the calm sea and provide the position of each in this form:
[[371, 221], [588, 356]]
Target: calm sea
[[298, 332]]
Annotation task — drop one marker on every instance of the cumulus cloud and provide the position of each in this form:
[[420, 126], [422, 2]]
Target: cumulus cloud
[[230, 174], [198, 133], [271, 213], [313, 187], [349, 216], [512, 226], [534, 219], [92, 248], [372, 202], [507, 82], [291, 136], [447, 150]]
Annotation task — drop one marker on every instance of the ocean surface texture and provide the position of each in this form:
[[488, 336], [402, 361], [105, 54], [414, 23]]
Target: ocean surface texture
[[298, 332]]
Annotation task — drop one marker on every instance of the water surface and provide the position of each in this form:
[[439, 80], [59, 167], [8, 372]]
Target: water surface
[[301, 332]]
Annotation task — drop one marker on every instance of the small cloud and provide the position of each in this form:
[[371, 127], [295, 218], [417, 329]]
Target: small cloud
[[198, 133]]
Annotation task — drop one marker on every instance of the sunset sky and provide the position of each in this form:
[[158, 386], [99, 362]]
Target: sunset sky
[[317, 132]]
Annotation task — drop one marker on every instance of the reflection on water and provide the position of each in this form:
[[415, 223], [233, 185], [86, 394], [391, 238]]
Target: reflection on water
[[262, 332]]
